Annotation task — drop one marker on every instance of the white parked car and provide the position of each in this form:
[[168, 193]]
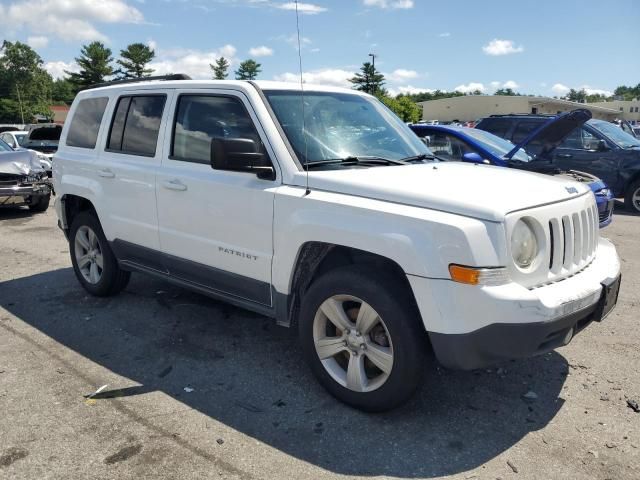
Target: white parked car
[[15, 139], [323, 210]]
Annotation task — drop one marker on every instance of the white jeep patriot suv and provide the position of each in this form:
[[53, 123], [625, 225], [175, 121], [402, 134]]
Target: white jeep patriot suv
[[320, 208]]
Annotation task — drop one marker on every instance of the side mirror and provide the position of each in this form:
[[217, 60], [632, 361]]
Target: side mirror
[[240, 155], [473, 157], [602, 146]]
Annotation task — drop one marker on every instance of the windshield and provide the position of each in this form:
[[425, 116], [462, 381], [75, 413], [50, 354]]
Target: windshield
[[496, 145], [615, 134], [4, 147], [20, 138], [342, 125]]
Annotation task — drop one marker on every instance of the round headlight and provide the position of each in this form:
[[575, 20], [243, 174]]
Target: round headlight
[[524, 246]]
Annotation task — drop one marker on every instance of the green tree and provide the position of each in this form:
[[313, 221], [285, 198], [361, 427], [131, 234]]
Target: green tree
[[95, 66], [435, 95], [25, 86], [627, 93], [220, 68], [62, 91], [248, 70], [505, 91], [576, 95], [369, 80], [134, 60], [403, 107]]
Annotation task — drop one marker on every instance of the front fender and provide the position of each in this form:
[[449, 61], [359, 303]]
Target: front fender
[[422, 242]]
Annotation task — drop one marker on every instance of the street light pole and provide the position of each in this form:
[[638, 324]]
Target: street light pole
[[373, 64]]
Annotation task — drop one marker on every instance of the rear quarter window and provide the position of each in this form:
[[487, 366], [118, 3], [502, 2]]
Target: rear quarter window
[[136, 125], [85, 124]]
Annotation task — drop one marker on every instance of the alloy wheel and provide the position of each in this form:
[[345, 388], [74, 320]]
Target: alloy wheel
[[88, 252], [353, 343]]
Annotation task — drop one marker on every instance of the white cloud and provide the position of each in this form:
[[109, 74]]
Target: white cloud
[[69, 19], [261, 51], [409, 90], [444, 34], [152, 44], [293, 40], [395, 4], [56, 69], [470, 87], [510, 84], [495, 85], [501, 47], [401, 74], [560, 89], [596, 91], [38, 42], [194, 63], [328, 76], [306, 8]]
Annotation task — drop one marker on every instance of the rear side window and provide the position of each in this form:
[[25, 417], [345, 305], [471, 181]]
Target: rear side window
[[85, 124], [135, 125], [497, 126]]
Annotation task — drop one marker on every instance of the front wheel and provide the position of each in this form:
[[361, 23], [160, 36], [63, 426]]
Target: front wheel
[[632, 198], [361, 335]]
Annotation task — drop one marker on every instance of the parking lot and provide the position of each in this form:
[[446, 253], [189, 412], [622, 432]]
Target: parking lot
[[200, 389]]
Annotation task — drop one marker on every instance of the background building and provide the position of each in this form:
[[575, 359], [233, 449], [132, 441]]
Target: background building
[[628, 110], [472, 107]]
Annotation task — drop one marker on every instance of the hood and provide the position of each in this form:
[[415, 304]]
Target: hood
[[553, 132], [20, 162], [472, 190], [583, 177]]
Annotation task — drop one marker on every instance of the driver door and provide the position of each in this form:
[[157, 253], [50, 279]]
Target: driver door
[[580, 151], [215, 226]]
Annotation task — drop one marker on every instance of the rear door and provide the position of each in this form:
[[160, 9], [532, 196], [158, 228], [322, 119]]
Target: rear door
[[215, 225], [127, 172], [580, 151]]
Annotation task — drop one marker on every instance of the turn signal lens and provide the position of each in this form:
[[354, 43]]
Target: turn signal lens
[[478, 276]]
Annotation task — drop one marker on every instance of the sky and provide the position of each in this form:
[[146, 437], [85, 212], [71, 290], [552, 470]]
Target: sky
[[542, 48]]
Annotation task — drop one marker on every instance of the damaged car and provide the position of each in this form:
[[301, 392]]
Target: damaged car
[[533, 153], [43, 138], [23, 181]]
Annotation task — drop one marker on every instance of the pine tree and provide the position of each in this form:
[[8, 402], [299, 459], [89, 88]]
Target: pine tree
[[95, 65], [248, 70], [370, 80], [134, 61], [220, 69]]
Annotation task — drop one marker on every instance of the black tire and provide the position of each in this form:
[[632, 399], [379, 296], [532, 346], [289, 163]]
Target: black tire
[[633, 190], [396, 307], [112, 279], [41, 204]]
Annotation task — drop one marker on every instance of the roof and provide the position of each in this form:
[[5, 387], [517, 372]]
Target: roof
[[532, 99], [235, 84]]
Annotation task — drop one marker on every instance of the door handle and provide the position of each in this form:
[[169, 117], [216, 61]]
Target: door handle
[[174, 185], [565, 155], [106, 173]]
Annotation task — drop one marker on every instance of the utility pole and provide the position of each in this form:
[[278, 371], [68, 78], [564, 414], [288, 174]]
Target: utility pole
[[373, 64], [20, 103]]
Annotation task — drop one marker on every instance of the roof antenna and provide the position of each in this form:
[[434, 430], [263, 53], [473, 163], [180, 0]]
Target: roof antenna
[[304, 129]]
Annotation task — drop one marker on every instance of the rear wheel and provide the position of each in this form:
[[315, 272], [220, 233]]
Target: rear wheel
[[94, 263], [41, 204], [361, 336], [632, 198]]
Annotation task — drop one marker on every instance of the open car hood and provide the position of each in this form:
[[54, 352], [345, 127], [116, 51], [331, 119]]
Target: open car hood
[[553, 132]]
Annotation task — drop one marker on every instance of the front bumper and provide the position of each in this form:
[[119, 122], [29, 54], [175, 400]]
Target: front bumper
[[605, 205], [17, 195], [471, 327]]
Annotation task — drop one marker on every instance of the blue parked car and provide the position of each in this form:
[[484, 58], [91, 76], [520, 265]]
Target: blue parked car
[[456, 143]]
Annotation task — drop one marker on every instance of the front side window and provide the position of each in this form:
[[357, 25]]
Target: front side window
[[200, 119], [341, 125], [136, 125], [615, 134], [85, 124]]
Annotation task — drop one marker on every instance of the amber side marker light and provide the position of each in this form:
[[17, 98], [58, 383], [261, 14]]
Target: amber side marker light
[[478, 276]]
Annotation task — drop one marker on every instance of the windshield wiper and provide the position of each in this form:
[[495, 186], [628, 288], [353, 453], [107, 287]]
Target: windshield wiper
[[419, 158], [355, 160]]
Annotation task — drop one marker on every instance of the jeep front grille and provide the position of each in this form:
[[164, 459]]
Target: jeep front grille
[[573, 240]]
